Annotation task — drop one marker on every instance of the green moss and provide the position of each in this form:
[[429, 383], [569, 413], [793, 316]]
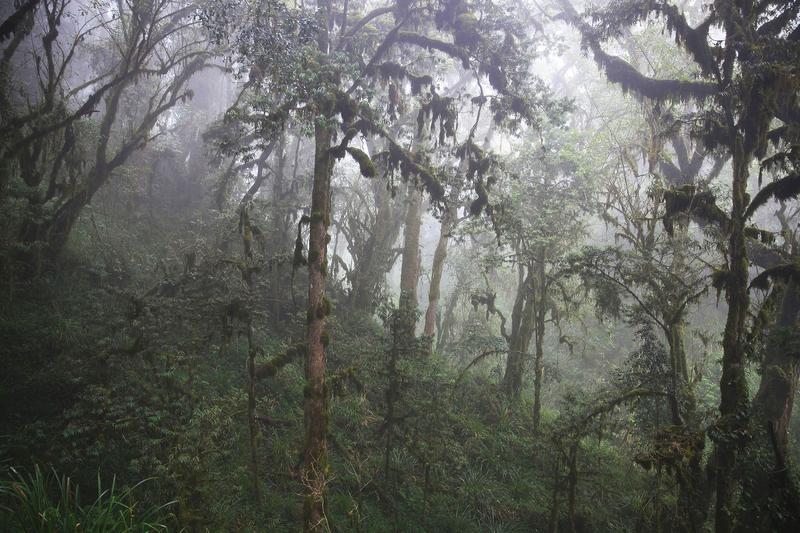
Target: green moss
[[324, 308], [365, 165]]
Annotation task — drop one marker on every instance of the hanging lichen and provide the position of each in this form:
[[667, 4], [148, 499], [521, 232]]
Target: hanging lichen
[[687, 200], [479, 165], [438, 112], [412, 166], [446, 48]]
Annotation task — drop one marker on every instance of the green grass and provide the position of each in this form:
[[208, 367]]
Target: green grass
[[38, 502]]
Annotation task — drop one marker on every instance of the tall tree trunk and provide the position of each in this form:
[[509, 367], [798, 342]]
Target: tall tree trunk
[[448, 320], [279, 227], [775, 397], [733, 386], [315, 397], [403, 322], [437, 268], [555, 506], [690, 478], [538, 370], [770, 484], [540, 294], [409, 272], [572, 484], [522, 328], [251, 410], [315, 402]]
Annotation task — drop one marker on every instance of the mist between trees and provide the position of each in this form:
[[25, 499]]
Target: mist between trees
[[410, 265]]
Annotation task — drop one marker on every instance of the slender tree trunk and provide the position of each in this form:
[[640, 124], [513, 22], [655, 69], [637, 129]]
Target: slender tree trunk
[[251, 411], [690, 478], [448, 320], [538, 372], [540, 292], [277, 291], [674, 335], [556, 505], [692, 486], [437, 269], [775, 397], [572, 485], [733, 386]]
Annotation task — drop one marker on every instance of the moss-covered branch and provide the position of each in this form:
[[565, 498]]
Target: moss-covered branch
[[622, 73], [449, 49], [784, 272], [271, 367], [783, 189]]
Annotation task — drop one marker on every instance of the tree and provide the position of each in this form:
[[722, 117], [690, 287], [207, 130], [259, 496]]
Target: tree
[[743, 83], [370, 222], [148, 52], [321, 70], [538, 220]]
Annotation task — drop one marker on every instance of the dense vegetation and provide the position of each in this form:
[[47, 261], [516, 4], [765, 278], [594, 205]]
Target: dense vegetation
[[399, 265]]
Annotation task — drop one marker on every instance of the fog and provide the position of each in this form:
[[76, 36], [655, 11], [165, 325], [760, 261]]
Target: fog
[[410, 265]]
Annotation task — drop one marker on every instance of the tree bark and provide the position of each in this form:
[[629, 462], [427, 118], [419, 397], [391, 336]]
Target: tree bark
[[409, 272], [540, 294], [733, 386], [315, 408], [437, 268], [522, 328]]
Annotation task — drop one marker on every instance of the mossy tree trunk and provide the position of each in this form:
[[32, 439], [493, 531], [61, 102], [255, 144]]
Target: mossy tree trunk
[[733, 386], [315, 404], [315, 407]]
